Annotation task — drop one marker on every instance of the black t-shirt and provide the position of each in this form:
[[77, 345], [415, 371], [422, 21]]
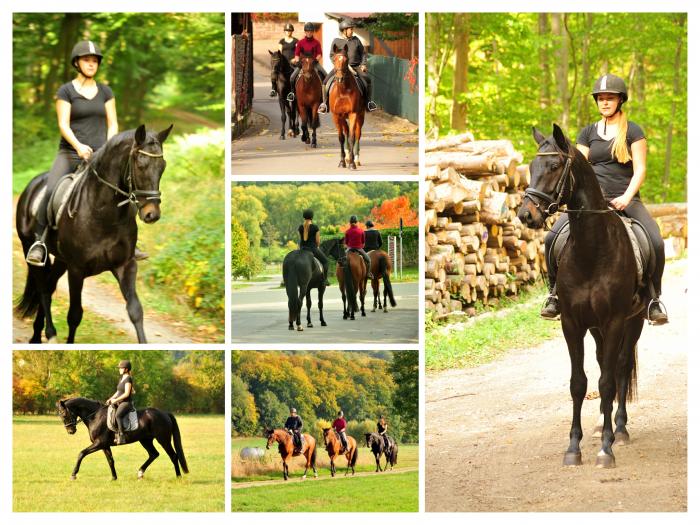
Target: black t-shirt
[[288, 47], [373, 240], [310, 242], [121, 387], [356, 51], [613, 176], [88, 117], [293, 423]]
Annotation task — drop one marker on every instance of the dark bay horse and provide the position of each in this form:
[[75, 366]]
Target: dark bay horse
[[286, 449], [98, 232], [301, 273], [347, 105], [380, 264], [153, 424], [334, 447], [351, 273], [282, 71], [596, 285], [376, 442], [309, 96]]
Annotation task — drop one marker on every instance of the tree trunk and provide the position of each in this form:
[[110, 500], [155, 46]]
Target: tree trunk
[[676, 95], [584, 102], [562, 66], [545, 73], [458, 119]]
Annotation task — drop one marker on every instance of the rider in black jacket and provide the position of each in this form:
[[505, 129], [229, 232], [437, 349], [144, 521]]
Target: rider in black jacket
[[373, 238], [294, 425]]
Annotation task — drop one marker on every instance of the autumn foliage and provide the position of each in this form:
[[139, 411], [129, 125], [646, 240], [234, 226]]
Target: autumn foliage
[[388, 213]]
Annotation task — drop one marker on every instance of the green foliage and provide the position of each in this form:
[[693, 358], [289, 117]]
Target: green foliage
[[405, 371], [188, 382], [515, 70], [244, 418], [392, 26]]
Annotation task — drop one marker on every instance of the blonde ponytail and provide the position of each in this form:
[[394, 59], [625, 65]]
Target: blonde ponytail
[[620, 150], [307, 225]]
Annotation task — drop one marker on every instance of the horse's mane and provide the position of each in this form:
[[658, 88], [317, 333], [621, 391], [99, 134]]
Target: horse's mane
[[83, 401]]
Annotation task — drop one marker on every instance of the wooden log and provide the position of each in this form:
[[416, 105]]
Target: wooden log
[[431, 239], [494, 209], [448, 142], [524, 173], [667, 208], [430, 219], [472, 164]]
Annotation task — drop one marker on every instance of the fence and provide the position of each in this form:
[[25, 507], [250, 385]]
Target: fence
[[395, 88]]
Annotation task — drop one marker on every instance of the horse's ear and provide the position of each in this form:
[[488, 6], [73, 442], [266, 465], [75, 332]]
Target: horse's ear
[[140, 135], [560, 138], [164, 134], [62, 402], [345, 49], [539, 138], [271, 53]]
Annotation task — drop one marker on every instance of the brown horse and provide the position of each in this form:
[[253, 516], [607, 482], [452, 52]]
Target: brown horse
[[351, 272], [309, 96], [286, 448], [347, 105], [334, 447], [381, 267]]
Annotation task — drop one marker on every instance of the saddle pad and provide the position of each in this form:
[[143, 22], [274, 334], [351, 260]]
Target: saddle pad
[[131, 419], [318, 265], [58, 199]]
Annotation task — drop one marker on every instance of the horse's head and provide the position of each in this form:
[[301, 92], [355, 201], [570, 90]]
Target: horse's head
[[307, 65], [340, 62], [270, 435], [146, 166], [551, 183], [333, 247], [327, 436], [368, 438], [275, 60], [69, 420]]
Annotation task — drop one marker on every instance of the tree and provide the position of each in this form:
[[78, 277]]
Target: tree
[[273, 413], [244, 417], [405, 369], [389, 213]]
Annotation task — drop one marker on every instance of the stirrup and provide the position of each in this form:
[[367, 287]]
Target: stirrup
[[290, 97], [554, 301], [322, 108], [662, 308], [37, 262], [273, 92], [371, 106]]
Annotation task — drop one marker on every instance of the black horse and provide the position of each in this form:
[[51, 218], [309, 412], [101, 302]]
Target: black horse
[[98, 231], [376, 442], [596, 284], [153, 424], [301, 273], [281, 72]]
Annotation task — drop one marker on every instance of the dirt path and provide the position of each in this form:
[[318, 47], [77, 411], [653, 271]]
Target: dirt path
[[496, 434], [339, 475]]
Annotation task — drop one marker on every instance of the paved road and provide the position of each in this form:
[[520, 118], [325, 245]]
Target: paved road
[[259, 315], [388, 146]]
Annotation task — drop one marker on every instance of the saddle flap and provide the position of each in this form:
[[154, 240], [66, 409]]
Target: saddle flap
[[60, 197], [130, 419]]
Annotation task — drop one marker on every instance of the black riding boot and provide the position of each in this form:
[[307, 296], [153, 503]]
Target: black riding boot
[[38, 253], [323, 108], [550, 309], [291, 97]]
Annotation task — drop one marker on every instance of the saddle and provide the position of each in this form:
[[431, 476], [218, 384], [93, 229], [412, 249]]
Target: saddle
[[297, 446], [130, 420], [59, 198], [644, 254], [319, 266], [358, 80]]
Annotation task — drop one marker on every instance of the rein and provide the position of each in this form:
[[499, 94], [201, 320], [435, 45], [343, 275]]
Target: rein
[[77, 419], [133, 193]]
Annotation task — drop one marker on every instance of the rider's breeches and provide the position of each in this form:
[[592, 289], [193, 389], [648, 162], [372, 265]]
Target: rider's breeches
[[297, 69], [364, 76], [320, 256], [122, 410], [635, 210], [66, 162]]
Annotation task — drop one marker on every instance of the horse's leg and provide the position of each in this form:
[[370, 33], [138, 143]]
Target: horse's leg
[[42, 280], [612, 346], [358, 135], [283, 114], [126, 276], [58, 268], [86, 451], [346, 313], [75, 310], [285, 467], [341, 138], [598, 338], [332, 466], [376, 460], [626, 367], [577, 385], [375, 293], [110, 462], [147, 443], [314, 123], [363, 294], [170, 451], [321, 290], [304, 124], [351, 140], [302, 293], [309, 324]]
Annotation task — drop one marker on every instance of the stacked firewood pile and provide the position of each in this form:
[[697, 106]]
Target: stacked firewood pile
[[476, 249], [672, 219]]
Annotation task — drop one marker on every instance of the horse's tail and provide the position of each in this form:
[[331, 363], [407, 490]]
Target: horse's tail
[[353, 460], [177, 441], [28, 304], [631, 365], [383, 271], [350, 284], [394, 454]]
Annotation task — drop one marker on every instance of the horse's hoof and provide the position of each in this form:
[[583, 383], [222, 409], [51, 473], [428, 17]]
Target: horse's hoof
[[364, 314], [281, 137], [304, 476], [307, 141], [140, 474], [374, 309], [53, 340], [622, 438], [386, 311], [291, 327], [572, 459], [114, 478], [313, 144], [300, 328], [341, 164], [604, 460], [324, 323], [73, 477], [309, 325], [352, 166]]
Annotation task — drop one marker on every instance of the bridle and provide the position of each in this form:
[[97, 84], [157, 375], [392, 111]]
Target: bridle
[[555, 200], [133, 194], [76, 419], [342, 72]]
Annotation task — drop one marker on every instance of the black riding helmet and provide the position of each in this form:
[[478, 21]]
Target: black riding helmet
[[125, 363], [369, 224], [610, 84], [308, 214], [346, 23], [309, 26], [353, 219], [288, 27], [85, 48]]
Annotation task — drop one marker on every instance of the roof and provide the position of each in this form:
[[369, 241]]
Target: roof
[[354, 16]]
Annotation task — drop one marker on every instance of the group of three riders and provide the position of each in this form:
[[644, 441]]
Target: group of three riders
[[293, 49]]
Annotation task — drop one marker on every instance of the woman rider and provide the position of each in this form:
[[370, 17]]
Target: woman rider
[[294, 425], [373, 238], [382, 427], [122, 397], [306, 46], [617, 150], [310, 239], [286, 46], [355, 241], [87, 118], [340, 427]]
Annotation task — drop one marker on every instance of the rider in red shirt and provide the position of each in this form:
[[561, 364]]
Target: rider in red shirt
[[306, 46], [355, 241], [339, 425]]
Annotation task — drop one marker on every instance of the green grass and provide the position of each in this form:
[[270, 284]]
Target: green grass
[[490, 337], [44, 455], [270, 467], [380, 493]]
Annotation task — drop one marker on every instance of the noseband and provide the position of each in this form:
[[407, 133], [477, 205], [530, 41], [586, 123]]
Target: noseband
[[76, 419], [133, 194], [555, 200]]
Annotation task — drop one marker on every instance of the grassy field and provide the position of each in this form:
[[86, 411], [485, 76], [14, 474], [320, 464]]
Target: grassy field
[[380, 493], [270, 467], [44, 455]]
